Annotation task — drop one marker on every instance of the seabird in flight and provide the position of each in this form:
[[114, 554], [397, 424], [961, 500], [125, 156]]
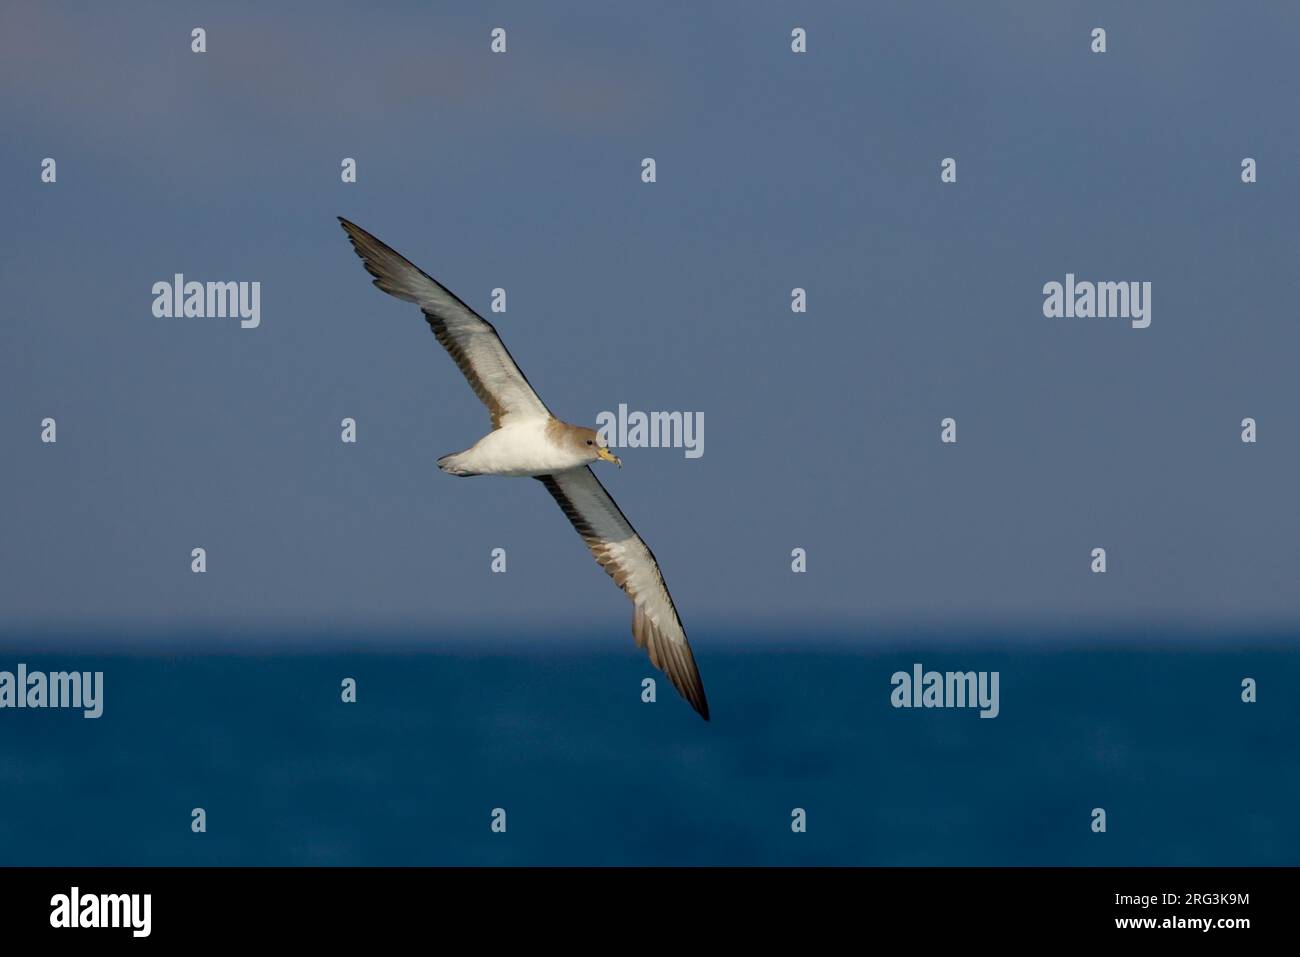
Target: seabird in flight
[[526, 440]]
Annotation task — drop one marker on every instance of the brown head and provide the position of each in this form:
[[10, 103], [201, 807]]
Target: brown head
[[586, 442]]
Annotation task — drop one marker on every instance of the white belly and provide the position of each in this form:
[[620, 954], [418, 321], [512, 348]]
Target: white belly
[[519, 449]]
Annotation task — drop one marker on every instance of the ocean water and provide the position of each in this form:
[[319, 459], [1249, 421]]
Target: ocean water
[[589, 774]]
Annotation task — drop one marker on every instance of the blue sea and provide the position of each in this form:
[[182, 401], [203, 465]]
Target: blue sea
[[587, 773]]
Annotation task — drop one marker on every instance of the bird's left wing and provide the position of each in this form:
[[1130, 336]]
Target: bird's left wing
[[472, 341], [628, 560]]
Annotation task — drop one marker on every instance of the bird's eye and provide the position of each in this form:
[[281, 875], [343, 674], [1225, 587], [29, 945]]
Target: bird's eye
[[589, 441]]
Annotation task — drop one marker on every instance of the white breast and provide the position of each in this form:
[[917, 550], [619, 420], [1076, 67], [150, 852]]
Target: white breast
[[520, 448]]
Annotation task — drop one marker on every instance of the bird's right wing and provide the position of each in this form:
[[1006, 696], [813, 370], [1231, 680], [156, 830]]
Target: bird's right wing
[[628, 560], [471, 339]]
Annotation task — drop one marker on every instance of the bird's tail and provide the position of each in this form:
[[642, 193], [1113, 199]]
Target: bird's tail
[[449, 464]]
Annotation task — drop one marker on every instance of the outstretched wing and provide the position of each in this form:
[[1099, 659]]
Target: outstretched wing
[[471, 339], [628, 560]]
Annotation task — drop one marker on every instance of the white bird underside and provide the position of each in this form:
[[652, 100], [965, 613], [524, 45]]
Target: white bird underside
[[524, 441], [518, 449]]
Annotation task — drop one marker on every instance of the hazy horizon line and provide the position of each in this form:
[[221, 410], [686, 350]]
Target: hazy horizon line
[[792, 636]]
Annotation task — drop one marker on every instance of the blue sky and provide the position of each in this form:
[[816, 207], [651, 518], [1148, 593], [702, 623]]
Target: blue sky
[[774, 171]]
